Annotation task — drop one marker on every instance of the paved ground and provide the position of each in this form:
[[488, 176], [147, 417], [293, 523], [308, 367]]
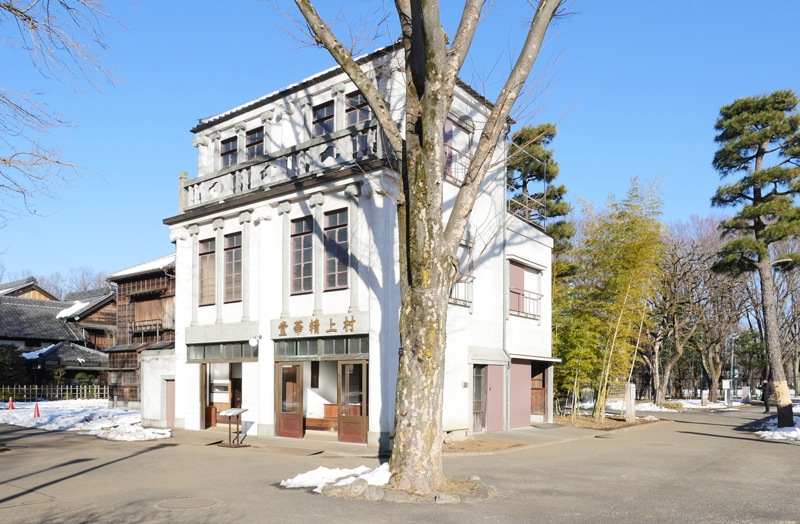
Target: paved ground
[[700, 468]]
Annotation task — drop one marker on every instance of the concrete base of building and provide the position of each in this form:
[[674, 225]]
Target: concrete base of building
[[154, 423], [265, 430], [180, 423]]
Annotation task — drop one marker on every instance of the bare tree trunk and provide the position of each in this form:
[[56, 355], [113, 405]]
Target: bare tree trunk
[[779, 385]]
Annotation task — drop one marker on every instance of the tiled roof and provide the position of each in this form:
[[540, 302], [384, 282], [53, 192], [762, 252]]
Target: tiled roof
[[69, 354], [30, 318], [92, 293], [10, 286], [158, 264], [89, 300]]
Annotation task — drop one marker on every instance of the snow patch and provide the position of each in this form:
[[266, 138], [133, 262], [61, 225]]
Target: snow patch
[[86, 416], [771, 431], [74, 308], [319, 477]]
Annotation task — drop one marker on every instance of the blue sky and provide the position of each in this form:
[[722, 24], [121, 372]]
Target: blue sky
[[638, 87]]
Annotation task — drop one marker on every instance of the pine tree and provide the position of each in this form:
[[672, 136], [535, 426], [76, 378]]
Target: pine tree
[[525, 175], [753, 131]]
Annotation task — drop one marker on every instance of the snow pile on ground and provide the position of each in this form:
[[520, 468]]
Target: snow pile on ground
[[319, 477], [771, 431], [88, 417], [645, 406], [697, 403], [649, 417], [796, 408]]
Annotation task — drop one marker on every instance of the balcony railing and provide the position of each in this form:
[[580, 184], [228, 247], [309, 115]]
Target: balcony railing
[[154, 324], [525, 303], [456, 164], [526, 207], [461, 291], [326, 153]]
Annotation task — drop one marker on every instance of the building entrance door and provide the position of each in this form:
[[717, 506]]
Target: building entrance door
[[353, 401], [538, 389], [289, 400], [478, 398]]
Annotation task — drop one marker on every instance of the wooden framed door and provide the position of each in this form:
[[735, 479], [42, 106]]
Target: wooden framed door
[[352, 378], [478, 398], [538, 389], [289, 420]]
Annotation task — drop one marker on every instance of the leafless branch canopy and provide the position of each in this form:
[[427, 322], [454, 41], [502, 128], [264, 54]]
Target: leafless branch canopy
[[61, 38]]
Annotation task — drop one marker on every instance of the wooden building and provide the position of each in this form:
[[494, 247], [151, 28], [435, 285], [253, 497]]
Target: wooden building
[[145, 319], [25, 288]]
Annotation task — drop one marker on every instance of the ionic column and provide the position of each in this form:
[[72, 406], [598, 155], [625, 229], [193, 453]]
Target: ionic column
[[215, 161], [352, 192], [286, 253], [267, 120], [194, 233], [241, 149], [307, 118], [315, 203], [244, 219], [219, 278], [337, 93]]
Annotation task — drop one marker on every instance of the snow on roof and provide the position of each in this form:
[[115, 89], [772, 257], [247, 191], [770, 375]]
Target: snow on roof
[[74, 308], [152, 265], [33, 355]]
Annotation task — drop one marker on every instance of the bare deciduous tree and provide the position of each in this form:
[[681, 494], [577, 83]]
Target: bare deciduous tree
[[60, 37], [428, 263]]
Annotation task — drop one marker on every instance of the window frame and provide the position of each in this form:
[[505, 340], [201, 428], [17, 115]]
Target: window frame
[[251, 146], [350, 109], [302, 263], [209, 255], [323, 120], [337, 269], [229, 155], [233, 249]]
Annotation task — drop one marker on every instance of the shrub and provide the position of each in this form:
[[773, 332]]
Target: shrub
[[671, 405]]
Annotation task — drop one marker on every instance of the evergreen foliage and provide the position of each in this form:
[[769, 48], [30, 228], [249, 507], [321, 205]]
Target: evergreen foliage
[[751, 132], [13, 366]]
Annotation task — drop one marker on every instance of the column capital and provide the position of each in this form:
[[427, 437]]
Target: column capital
[[284, 208], [194, 230], [219, 223], [317, 199], [240, 126], [245, 216], [214, 136], [302, 102], [262, 214], [268, 116], [337, 89], [352, 191], [200, 141], [177, 234]]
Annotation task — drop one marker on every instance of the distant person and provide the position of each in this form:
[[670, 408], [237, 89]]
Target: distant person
[[766, 392]]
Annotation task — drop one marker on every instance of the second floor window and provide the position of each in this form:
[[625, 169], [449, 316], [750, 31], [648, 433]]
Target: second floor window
[[255, 143], [357, 109], [323, 119], [228, 153], [336, 249], [207, 271], [233, 267], [302, 251]]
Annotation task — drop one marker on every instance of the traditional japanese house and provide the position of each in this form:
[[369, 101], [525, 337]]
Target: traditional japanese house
[[287, 293], [72, 358], [25, 288], [146, 330]]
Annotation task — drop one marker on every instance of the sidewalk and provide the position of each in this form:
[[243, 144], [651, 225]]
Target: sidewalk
[[318, 443]]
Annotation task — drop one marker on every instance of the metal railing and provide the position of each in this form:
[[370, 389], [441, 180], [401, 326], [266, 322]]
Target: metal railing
[[153, 324], [62, 392], [525, 303], [456, 164], [461, 291], [336, 150], [526, 207]]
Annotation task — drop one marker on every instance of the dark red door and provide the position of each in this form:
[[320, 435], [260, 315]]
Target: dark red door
[[289, 400]]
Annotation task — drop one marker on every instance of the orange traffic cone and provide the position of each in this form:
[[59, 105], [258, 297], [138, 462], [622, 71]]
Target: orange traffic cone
[[36, 411], [11, 403]]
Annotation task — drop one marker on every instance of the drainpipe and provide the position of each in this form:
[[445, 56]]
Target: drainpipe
[[504, 309]]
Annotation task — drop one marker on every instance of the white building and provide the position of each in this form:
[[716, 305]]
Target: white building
[[287, 237]]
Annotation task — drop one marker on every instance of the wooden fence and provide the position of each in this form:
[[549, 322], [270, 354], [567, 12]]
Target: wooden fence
[[34, 393]]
